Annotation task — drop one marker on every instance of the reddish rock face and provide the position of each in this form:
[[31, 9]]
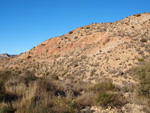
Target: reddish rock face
[[106, 41]]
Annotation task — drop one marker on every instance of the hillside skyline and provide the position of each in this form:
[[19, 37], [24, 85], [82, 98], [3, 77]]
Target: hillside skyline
[[24, 24]]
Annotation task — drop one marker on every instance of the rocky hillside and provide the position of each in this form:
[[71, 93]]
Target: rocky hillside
[[91, 68], [91, 53]]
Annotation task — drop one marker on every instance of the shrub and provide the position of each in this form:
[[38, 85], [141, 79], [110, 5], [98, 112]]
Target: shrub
[[70, 32], [143, 75], [75, 37], [138, 15], [63, 105], [42, 44], [143, 40], [28, 57], [5, 75], [55, 76], [38, 109], [140, 59], [6, 109], [66, 37], [45, 84], [84, 100], [30, 78], [19, 72], [104, 86], [132, 26], [113, 100], [87, 27], [7, 72], [83, 57]]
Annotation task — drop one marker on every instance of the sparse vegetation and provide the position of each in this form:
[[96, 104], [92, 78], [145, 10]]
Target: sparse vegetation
[[138, 15], [143, 75], [6, 109], [143, 40], [140, 59], [45, 95], [113, 100], [66, 37], [28, 57], [42, 44], [104, 86], [132, 26], [87, 99], [75, 37], [87, 27], [70, 32]]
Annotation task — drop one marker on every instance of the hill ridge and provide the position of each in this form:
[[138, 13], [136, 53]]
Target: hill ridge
[[92, 52]]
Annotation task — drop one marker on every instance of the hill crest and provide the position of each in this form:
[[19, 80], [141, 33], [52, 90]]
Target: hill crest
[[90, 53]]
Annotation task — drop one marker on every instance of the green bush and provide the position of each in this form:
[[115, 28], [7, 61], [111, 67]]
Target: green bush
[[143, 75], [104, 86], [6, 109], [140, 59], [38, 109], [63, 105], [113, 100], [7, 72]]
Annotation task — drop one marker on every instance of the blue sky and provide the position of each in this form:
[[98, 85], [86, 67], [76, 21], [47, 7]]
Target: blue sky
[[26, 23]]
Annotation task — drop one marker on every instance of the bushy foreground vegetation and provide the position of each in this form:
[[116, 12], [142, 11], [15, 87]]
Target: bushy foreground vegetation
[[25, 93], [142, 76], [29, 94]]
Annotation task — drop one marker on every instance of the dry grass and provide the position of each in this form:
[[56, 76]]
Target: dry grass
[[104, 86], [113, 100], [16, 86], [87, 99], [46, 95]]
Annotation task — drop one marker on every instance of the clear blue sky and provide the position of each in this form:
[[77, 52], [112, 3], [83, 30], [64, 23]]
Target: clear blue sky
[[26, 23]]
